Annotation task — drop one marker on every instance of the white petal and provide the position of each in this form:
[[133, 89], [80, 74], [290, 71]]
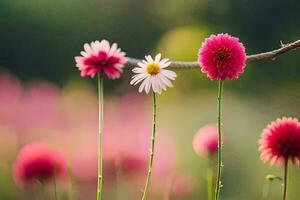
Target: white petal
[[157, 58], [143, 65], [149, 83], [165, 65], [154, 84], [139, 70], [138, 78], [166, 81], [160, 85], [163, 61], [149, 59], [142, 86], [168, 73]]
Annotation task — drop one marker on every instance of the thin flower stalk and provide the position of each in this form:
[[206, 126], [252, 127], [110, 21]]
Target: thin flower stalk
[[285, 184], [220, 145], [100, 167], [152, 149], [152, 75]]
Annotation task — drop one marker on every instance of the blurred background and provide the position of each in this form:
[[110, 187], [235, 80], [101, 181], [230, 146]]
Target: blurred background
[[43, 98]]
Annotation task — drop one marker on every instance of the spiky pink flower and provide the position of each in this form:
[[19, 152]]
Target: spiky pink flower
[[280, 141], [37, 162], [100, 57], [205, 141], [222, 57]]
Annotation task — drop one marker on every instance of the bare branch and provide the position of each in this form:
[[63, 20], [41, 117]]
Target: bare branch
[[275, 53], [132, 62]]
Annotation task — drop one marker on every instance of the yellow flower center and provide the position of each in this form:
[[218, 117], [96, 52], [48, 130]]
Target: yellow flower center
[[153, 68]]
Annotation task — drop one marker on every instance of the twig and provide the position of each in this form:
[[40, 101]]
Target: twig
[[132, 62]]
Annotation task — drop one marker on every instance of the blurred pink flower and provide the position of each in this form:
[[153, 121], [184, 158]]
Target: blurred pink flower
[[280, 141], [131, 165], [38, 163], [43, 112], [10, 94], [182, 186], [126, 145], [222, 57], [205, 141], [101, 57], [40, 109]]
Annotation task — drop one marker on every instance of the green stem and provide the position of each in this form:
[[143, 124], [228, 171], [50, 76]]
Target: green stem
[[151, 150], [220, 164], [286, 165], [210, 184], [100, 99]]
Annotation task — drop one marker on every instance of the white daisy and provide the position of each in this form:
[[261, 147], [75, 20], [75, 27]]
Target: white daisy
[[152, 73]]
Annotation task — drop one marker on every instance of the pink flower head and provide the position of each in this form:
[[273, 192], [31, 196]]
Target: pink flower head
[[38, 163], [131, 164], [280, 141], [205, 141], [222, 57], [101, 57], [182, 186]]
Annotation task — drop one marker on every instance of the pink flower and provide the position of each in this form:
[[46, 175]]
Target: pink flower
[[38, 163], [222, 57], [205, 141], [10, 91], [131, 164], [280, 141], [39, 109], [10, 94], [101, 57], [182, 186], [123, 155]]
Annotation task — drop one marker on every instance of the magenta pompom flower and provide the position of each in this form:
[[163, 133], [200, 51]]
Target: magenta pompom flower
[[38, 163], [222, 57], [100, 57], [280, 141], [205, 141]]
